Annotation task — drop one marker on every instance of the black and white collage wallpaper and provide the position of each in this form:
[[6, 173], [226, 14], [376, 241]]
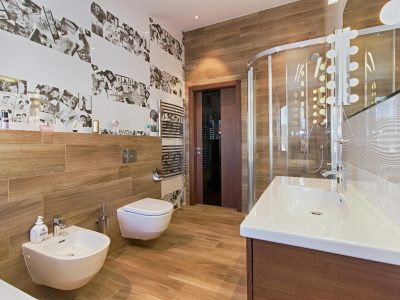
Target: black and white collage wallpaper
[[46, 105], [31, 102]]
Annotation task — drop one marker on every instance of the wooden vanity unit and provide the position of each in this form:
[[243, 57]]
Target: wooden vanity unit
[[278, 271], [307, 242]]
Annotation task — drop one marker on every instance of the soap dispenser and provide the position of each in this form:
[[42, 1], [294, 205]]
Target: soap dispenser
[[39, 232]]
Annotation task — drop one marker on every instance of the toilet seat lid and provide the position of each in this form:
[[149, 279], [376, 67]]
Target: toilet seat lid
[[149, 207]]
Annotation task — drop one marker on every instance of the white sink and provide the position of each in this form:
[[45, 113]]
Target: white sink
[[314, 204], [68, 261], [308, 213]]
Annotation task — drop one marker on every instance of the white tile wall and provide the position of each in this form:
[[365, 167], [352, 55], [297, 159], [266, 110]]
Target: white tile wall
[[372, 157]]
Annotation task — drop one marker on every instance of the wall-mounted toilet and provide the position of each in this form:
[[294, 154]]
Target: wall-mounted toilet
[[144, 219]]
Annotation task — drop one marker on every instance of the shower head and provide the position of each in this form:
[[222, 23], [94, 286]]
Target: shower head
[[315, 57]]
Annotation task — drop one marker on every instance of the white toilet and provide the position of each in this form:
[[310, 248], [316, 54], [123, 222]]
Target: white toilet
[[145, 219]]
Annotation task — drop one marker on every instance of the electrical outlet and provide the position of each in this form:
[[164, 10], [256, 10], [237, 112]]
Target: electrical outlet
[[129, 156]]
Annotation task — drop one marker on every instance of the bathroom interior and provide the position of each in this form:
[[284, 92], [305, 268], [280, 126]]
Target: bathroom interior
[[199, 149]]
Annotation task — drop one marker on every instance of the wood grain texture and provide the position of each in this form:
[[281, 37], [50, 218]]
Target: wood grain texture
[[206, 262], [3, 191], [20, 137], [285, 272], [70, 174], [231, 166], [360, 14], [23, 160], [220, 52]]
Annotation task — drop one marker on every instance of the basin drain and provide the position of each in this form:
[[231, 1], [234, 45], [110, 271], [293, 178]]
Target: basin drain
[[316, 213]]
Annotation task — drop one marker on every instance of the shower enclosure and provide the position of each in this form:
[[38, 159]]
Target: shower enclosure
[[289, 120]]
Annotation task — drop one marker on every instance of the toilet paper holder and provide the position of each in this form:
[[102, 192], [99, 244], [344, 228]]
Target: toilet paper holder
[[158, 175]]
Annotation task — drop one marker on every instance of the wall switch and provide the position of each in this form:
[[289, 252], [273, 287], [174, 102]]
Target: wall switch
[[129, 156]]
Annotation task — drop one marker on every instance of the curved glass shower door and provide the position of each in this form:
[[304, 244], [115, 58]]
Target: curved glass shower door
[[291, 133]]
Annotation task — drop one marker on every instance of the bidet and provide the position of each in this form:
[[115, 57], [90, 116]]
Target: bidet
[[67, 261]]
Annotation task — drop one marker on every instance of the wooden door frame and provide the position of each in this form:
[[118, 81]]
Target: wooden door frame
[[192, 161]]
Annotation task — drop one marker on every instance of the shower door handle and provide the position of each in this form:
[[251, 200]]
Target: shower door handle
[[198, 150]]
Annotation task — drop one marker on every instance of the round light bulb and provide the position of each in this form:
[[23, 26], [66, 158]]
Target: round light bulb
[[302, 103], [322, 78], [322, 67], [315, 91], [314, 121], [322, 89], [322, 100], [315, 114], [353, 50], [353, 34], [331, 38], [331, 70], [315, 106], [390, 13], [354, 98], [331, 54], [331, 85], [354, 82], [331, 100], [314, 98], [353, 66], [322, 112]]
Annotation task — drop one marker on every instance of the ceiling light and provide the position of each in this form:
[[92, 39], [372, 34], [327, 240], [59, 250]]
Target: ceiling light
[[196, 17], [330, 2], [390, 13]]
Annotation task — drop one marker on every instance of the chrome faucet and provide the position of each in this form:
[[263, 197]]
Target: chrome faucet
[[58, 224], [339, 176]]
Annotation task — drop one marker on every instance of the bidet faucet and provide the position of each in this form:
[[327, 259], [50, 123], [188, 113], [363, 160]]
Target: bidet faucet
[[58, 224], [339, 176]]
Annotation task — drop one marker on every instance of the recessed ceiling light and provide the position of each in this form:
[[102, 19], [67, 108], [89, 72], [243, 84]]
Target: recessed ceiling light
[[196, 17], [330, 2]]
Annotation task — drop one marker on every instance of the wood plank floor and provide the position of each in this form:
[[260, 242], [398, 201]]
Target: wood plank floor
[[200, 256]]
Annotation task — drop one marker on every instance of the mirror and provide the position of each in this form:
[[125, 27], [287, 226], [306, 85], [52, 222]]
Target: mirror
[[378, 56]]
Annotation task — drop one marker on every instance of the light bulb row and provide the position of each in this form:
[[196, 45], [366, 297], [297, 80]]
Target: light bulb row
[[341, 66]]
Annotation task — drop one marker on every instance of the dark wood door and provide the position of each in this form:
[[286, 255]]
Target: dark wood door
[[230, 148], [231, 191]]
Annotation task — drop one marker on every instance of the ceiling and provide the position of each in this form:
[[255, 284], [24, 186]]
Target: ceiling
[[182, 12]]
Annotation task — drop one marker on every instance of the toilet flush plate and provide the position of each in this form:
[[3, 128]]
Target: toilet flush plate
[[129, 156]]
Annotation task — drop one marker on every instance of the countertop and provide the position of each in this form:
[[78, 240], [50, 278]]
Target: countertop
[[356, 229]]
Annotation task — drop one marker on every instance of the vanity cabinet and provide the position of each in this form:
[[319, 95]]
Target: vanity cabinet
[[278, 271]]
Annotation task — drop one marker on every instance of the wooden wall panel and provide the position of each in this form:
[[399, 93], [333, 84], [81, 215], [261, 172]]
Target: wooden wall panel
[[220, 52], [360, 14], [71, 174]]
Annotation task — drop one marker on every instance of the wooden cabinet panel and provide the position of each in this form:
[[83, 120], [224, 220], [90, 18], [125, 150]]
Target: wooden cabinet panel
[[286, 272]]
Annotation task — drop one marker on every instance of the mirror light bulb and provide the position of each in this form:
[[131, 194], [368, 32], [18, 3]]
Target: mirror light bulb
[[353, 50], [331, 54], [353, 66], [331, 85], [354, 82], [331, 39], [331, 100], [353, 34], [330, 70], [354, 98]]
